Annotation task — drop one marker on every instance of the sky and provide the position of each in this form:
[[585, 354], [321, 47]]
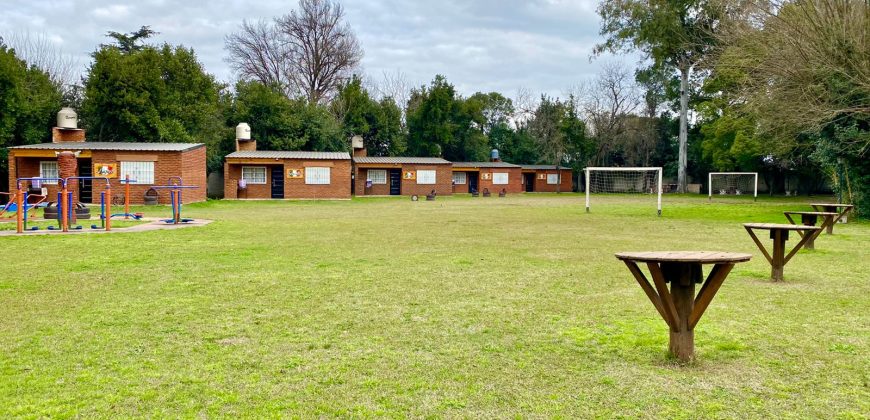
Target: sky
[[544, 46]]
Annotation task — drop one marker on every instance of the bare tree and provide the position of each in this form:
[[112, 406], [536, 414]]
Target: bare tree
[[38, 50], [394, 85], [309, 51], [607, 101], [525, 105], [256, 53]]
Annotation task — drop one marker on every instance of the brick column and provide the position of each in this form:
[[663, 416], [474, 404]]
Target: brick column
[[67, 166]]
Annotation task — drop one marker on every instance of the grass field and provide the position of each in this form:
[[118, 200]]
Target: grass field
[[455, 308]]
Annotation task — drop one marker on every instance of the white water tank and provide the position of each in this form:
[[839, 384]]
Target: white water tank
[[357, 142], [243, 131], [67, 118]]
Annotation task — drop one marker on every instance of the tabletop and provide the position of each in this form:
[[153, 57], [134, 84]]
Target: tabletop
[[702, 257], [831, 205], [813, 213], [780, 226]]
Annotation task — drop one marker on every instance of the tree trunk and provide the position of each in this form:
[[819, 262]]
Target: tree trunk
[[682, 181]]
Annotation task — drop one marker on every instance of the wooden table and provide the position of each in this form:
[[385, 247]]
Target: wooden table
[[779, 234], [840, 209], [679, 307], [810, 218]]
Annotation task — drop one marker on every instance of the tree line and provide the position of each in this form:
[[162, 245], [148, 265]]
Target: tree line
[[721, 87]]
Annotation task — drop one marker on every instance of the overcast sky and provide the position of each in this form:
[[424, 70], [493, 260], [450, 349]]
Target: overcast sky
[[480, 45]]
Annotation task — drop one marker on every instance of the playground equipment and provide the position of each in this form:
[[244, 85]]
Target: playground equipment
[[11, 206], [175, 187], [65, 206], [127, 215]]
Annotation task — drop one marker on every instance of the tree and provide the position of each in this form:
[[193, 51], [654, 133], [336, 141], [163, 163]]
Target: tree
[[673, 34], [310, 52], [38, 50], [132, 41], [607, 103], [378, 122], [145, 93], [547, 129], [29, 101], [810, 93]]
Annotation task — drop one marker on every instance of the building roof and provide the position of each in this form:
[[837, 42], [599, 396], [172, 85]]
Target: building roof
[[538, 167], [120, 146], [400, 160], [484, 165], [275, 154]]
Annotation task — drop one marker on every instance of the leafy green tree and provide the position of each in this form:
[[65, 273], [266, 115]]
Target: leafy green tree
[[676, 35], [441, 123], [29, 101], [378, 122], [152, 94]]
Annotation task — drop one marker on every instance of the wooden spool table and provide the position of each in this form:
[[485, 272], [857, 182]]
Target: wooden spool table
[[840, 209], [779, 234], [810, 218], [679, 307]]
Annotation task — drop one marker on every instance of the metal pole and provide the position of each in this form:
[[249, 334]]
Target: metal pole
[[108, 203], [710, 186], [18, 215], [64, 225], [660, 192], [755, 198], [127, 197], [587, 190]]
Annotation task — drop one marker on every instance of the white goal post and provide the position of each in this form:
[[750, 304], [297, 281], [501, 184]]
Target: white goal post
[[624, 181], [732, 183]]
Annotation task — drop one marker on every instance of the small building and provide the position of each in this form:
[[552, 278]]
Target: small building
[[493, 176], [146, 164], [379, 176], [547, 178]]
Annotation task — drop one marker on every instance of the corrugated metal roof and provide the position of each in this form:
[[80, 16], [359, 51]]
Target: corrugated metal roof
[[122, 146], [401, 160], [276, 154], [537, 167], [484, 165]]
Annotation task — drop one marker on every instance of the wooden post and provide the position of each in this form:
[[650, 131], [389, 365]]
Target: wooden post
[[779, 237], [831, 209], [809, 220], [682, 277]]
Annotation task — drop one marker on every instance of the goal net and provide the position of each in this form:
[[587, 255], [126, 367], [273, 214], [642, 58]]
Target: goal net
[[639, 181], [733, 184]]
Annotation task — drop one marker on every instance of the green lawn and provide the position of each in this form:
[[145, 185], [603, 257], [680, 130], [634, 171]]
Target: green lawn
[[455, 308]]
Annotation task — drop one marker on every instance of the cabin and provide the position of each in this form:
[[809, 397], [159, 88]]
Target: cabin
[[71, 155], [547, 178], [265, 175], [495, 177]]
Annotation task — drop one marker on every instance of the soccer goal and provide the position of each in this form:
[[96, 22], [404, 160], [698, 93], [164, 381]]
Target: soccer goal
[[732, 183], [610, 180]]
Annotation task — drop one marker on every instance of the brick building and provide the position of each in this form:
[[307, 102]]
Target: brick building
[[492, 176], [147, 164], [546, 178], [378, 176], [287, 175]]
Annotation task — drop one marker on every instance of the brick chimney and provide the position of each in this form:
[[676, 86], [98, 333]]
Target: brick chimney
[[67, 130], [67, 166]]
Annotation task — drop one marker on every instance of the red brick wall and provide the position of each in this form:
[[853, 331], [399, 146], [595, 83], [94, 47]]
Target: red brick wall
[[443, 179], [542, 186], [514, 185], [294, 188], [463, 188], [189, 165]]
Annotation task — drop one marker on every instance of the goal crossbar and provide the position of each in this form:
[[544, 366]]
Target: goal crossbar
[[754, 182], [656, 170]]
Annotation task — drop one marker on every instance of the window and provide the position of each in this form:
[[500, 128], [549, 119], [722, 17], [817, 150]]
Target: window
[[254, 174], [499, 178], [426, 177], [139, 172], [377, 176], [317, 176], [459, 178], [552, 179], [47, 169]]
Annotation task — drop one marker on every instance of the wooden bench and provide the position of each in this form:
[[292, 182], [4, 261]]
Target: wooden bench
[[679, 307]]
